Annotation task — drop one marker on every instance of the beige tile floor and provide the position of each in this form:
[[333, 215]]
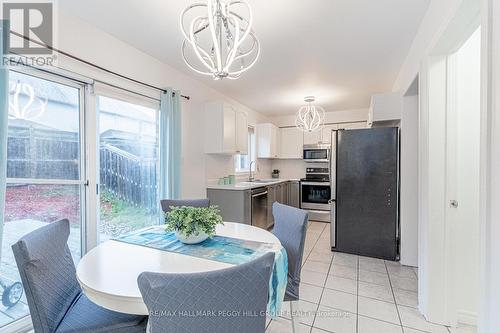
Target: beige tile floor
[[344, 293]]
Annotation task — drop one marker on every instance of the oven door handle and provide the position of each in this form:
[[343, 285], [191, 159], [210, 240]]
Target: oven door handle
[[326, 184], [259, 194]]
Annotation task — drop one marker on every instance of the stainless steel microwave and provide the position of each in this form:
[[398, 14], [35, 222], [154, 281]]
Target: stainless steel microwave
[[317, 153]]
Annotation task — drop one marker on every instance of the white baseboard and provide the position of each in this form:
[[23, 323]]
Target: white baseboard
[[467, 317]]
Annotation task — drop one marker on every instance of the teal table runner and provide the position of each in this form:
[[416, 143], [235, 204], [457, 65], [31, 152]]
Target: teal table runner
[[223, 249]]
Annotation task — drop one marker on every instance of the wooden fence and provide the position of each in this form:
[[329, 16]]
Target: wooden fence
[[41, 153], [128, 177]]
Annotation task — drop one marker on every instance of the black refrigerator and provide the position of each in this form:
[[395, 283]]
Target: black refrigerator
[[367, 192]]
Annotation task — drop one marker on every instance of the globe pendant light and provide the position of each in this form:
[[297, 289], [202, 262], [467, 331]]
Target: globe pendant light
[[219, 40], [310, 118]]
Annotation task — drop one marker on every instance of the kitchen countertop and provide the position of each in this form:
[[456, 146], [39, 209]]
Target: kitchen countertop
[[242, 186]]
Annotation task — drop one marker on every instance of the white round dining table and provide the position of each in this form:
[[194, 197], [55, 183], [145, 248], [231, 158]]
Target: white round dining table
[[108, 273]]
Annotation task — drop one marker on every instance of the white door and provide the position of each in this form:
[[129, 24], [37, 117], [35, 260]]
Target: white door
[[449, 148], [463, 168]]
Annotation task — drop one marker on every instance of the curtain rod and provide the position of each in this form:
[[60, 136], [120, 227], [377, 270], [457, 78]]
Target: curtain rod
[[93, 65]]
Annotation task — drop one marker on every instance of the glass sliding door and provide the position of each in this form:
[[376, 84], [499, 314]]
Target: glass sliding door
[[45, 173], [128, 166]]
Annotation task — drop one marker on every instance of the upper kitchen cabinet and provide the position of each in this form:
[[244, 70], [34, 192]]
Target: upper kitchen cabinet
[[312, 138], [268, 145], [356, 125], [241, 133], [385, 108], [292, 143], [226, 129], [326, 133], [321, 136]]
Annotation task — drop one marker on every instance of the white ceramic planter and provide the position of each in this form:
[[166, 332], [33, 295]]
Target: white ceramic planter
[[192, 239]]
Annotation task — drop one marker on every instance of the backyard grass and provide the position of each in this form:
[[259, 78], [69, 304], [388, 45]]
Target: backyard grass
[[46, 203], [118, 216], [49, 203]]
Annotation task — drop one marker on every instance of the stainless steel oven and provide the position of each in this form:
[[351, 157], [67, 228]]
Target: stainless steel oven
[[315, 197], [317, 153]]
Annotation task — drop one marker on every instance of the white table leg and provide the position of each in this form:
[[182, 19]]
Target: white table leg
[[148, 327]]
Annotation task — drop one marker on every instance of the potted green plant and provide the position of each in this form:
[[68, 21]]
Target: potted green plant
[[193, 225]]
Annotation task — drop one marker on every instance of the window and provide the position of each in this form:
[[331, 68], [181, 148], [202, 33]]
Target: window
[[242, 162], [44, 172], [128, 151]]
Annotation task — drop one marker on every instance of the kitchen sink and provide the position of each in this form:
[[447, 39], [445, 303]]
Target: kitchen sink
[[258, 181], [263, 181]]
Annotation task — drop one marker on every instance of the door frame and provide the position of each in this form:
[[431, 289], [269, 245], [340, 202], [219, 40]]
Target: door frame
[[490, 162], [436, 254], [25, 324], [83, 180]]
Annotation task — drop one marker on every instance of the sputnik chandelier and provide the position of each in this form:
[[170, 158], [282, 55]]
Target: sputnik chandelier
[[219, 40], [310, 118]]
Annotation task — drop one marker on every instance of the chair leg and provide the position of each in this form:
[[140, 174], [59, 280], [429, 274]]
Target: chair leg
[[293, 315]]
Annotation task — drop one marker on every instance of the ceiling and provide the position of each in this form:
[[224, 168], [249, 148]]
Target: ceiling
[[341, 51]]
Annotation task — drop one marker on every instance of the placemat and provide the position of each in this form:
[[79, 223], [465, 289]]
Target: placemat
[[229, 250]]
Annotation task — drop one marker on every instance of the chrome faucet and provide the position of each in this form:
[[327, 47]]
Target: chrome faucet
[[251, 177]]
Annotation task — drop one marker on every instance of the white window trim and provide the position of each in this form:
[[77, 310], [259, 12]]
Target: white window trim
[[252, 150], [107, 90]]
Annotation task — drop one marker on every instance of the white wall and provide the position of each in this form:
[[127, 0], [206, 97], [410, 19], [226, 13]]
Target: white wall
[[291, 169], [409, 181], [468, 66], [81, 39], [431, 28]]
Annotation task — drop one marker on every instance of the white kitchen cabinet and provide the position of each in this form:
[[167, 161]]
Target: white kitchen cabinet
[[385, 108], [224, 129], [322, 136], [241, 133], [292, 143], [268, 144], [326, 133], [312, 138], [356, 125]]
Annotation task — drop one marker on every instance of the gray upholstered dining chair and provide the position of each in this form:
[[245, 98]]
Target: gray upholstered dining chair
[[290, 227], [223, 301], [55, 299], [166, 204]]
